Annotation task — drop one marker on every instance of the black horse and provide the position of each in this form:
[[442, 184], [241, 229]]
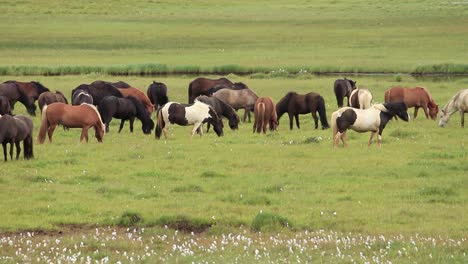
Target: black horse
[[13, 130], [157, 93], [81, 97], [98, 90], [125, 109], [222, 109], [14, 94], [5, 107], [295, 104], [235, 86], [343, 88]]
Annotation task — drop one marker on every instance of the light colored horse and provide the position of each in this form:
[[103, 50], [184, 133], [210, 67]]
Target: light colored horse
[[373, 119], [459, 102], [360, 98], [238, 99]]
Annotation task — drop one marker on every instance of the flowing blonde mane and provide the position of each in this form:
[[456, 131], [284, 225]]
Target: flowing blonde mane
[[97, 112], [380, 107]]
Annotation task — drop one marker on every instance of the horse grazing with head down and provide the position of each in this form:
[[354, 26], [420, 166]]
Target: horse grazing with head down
[[360, 98], [343, 88], [125, 109], [82, 116], [98, 90], [238, 99], [195, 114], [200, 86], [47, 98], [235, 86], [157, 93], [141, 96], [5, 107], [14, 94], [13, 130], [459, 102], [265, 114], [222, 109], [373, 119], [295, 104], [414, 97]]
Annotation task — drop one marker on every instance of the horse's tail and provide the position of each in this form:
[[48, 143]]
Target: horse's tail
[[28, 147], [387, 96], [190, 93], [322, 112], [160, 124], [101, 123], [44, 126], [259, 117]]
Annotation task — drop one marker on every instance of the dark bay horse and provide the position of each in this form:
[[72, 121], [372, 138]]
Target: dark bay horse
[[295, 104], [343, 88], [125, 109], [181, 114], [414, 97], [5, 107], [222, 109], [265, 114], [14, 94], [47, 98], [13, 130], [238, 99], [98, 90], [200, 86], [373, 119], [80, 97], [32, 89], [157, 93], [82, 116], [141, 96]]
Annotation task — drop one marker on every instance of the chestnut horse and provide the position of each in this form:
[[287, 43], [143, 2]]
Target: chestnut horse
[[459, 102], [13, 130], [73, 116], [414, 97], [141, 96], [14, 94], [201, 86], [265, 114], [47, 98]]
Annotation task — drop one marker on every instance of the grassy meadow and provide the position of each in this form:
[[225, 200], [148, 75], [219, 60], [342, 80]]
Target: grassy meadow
[[286, 182]]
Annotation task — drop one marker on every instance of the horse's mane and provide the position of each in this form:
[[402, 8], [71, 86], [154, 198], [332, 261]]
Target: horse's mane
[[97, 112], [60, 93], [427, 92], [40, 86], [380, 107], [138, 104]]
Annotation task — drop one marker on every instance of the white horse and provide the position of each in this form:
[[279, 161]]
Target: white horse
[[373, 119], [459, 102], [194, 114], [360, 98]]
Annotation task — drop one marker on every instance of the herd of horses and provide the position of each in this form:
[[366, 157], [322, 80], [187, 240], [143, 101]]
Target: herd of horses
[[94, 105]]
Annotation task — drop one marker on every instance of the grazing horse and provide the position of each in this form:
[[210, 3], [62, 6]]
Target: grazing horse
[[195, 114], [295, 104], [125, 109], [360, 98], [13, 130], [5, 107], [373, 119], [47, 98], [31, 89], [238, 99], [120, 84], [98, 90], [157, 93], [81, 97], [459, 102], [235, 86], [343, 88], [222, 109], [265, 114], [414, 97], [200, 86], [14, 94], [82, 116], [141, 96]]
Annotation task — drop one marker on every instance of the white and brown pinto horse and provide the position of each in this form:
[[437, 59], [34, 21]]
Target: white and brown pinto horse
[[187, 114], [459, 102], [360, 98], [373, 119]]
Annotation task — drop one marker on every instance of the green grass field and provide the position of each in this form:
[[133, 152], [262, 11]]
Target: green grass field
[[287, 181]]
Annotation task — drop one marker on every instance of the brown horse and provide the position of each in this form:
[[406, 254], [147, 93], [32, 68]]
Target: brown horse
[[141, 96], [73, 116], [414, 97], [13, 130], [15, 94], [201, 86], [238, 99], [5, 107], [265, 114], [295, 104], [47, 98]]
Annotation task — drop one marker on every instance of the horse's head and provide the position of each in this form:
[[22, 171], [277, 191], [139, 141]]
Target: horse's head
[[99, 131], [215, 121], [444, 117], [433, 110], [234, 122], [31, 109], [399, 109], [147, 126]]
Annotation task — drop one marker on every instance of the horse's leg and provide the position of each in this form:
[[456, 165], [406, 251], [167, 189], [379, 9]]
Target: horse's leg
[[379, 140], [371, 137], [343, 138], [11, 149], [336, 140], [462, 116], [132, 120], [18, 149], [297, 120], [291, 120], [416, 108], [50, 132], [4, 151], [426, 111], [314, 115], [208, 127], [84, 134], [265, 126], [195, 128], [122, 122]]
